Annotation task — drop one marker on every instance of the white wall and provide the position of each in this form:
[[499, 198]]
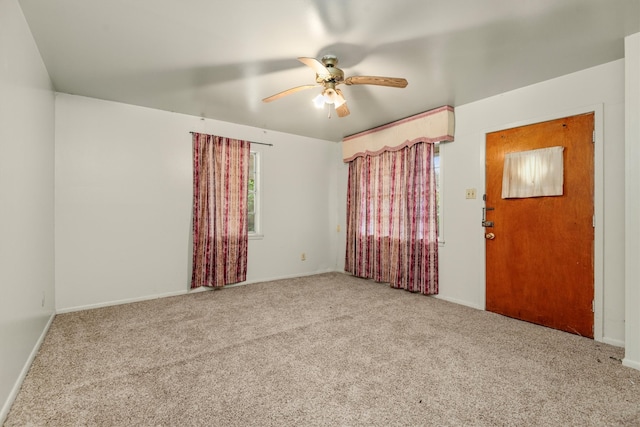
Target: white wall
[[462, 259], [26, 200], [123, 202], [342, 177], [632, 197]]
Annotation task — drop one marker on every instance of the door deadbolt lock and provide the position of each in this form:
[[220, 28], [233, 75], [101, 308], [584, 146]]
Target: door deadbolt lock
[[486, 223], [489, 236]]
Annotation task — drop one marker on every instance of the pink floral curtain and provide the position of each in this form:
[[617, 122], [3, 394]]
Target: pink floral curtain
[[220, 238], [392, 233]]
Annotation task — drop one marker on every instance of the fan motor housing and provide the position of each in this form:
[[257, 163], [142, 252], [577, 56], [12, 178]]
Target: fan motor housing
[[336, 74]]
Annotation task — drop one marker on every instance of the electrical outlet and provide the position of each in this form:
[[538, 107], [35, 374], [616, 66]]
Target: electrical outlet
[[470, 193], [303, 256]]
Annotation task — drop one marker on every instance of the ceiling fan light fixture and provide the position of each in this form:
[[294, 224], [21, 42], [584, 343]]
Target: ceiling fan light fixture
[[328, 76], [319, 101], [329, 95]]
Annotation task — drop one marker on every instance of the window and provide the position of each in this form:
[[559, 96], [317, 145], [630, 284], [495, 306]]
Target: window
[[392, 216], [436, 164], [253, 195], [367, 228]]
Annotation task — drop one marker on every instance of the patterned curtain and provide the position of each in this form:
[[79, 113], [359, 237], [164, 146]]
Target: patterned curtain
[[392, 233], [220, 238]]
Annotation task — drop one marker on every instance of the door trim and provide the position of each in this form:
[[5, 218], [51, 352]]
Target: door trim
[[598, 205]]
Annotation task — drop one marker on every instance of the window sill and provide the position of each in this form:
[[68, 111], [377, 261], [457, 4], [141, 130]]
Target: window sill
[[256, 236]]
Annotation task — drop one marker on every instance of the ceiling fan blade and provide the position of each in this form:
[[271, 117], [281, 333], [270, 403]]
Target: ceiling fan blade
[[287, 92], [316, 65], [374, 80], [340, 104], [343, 110]]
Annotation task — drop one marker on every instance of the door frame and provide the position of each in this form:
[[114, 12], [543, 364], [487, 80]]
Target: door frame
[[598, 202]]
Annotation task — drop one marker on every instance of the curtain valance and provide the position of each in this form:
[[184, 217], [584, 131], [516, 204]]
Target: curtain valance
[[435, 125]]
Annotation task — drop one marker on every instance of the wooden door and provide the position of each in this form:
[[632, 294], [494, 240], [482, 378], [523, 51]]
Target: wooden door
[[539, 263]]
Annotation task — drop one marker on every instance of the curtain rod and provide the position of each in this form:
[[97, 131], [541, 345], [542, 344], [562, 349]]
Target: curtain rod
[[251, 142]]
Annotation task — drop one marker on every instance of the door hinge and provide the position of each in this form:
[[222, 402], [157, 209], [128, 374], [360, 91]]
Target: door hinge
[[593, 306], [593, 221], [593, 137]]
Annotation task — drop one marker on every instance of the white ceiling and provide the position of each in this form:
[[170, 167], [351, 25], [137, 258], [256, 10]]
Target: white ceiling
[[218, 59]]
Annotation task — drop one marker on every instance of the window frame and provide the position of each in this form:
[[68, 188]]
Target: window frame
[[437, 152], [256, 157]]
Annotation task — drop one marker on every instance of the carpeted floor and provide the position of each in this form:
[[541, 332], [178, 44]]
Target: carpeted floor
[[326, 350]]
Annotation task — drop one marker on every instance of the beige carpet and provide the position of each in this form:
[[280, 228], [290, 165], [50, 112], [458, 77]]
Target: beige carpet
[[326, 350]]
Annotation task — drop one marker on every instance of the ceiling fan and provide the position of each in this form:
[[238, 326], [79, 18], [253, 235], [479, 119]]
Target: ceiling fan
[[329, 76]]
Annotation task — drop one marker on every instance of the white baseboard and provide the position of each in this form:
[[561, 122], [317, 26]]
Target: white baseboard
[[613, 342], [182, 292], [460, 302], [122, 301], [288, 276], [6, 407], [631, 363]]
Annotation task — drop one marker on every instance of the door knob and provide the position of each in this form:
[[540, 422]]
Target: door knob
[[489, 236]]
